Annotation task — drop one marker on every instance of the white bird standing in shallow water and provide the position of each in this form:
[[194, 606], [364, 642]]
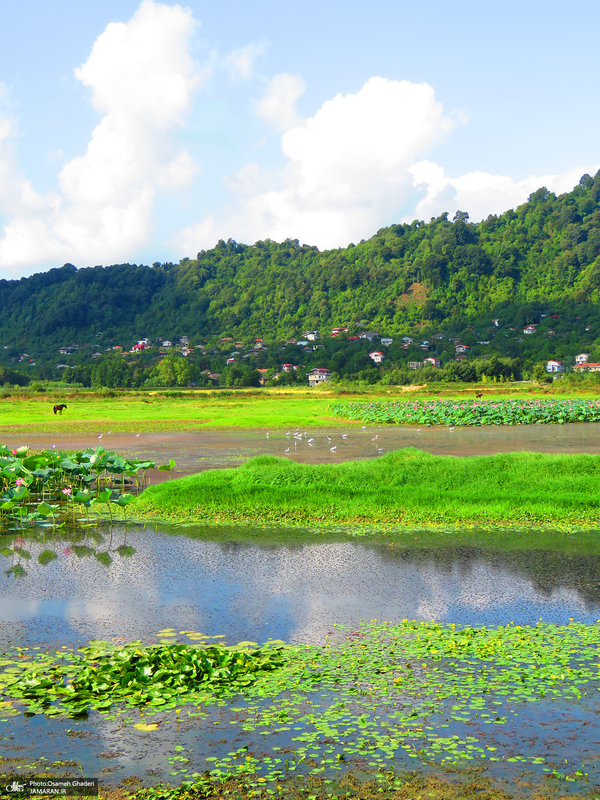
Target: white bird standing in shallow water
[[267, 434], [287, 451], [375, 437], [137, 434], [333, 448], [344, 435], [310, 440], [100, 436], [380, 449]]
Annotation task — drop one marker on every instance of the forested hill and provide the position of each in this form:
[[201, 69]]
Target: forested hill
[[542, 257]]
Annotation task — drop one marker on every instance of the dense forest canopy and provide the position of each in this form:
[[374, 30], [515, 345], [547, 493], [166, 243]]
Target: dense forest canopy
[[539, 263]]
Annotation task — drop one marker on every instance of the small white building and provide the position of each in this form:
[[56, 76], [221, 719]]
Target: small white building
[[407, 340], [462, 348], [582, 358], [167, 343], [529, 329], [318, 375], [432, 361], [554, 366], [386, 341], [377, 356], [312, 336]]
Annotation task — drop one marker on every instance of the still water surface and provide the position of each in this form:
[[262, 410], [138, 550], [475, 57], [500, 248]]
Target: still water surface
[[291, 590]]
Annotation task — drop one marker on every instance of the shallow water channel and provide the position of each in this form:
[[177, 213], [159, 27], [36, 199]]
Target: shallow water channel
[[252, 585], [194, 451]]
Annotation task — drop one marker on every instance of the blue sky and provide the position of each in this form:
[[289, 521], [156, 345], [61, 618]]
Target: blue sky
[[146, 131]]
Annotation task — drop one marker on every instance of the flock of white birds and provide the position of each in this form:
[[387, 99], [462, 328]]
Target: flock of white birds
[[297, 437]]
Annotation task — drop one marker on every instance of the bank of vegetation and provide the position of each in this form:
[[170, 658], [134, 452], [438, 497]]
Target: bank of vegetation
[[407, 488], [478, 283]]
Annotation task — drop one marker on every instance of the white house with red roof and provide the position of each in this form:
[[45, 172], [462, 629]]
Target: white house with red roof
[[377, 356]]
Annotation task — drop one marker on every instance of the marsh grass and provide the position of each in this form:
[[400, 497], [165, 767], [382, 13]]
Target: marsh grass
[[408, 487]]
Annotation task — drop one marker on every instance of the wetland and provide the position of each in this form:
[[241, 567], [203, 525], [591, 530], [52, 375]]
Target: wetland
[[353, 662]]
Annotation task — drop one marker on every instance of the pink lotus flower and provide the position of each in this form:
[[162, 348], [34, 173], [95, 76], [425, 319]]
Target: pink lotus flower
[[67, 491], [20, 482], [14, 452]]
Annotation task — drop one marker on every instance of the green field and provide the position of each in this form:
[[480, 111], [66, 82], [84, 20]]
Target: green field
[[407, 488], [227, 409]]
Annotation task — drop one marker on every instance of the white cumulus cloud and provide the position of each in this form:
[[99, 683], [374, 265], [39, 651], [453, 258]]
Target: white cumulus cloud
[[142, 78], [353, 167], [347, 171]]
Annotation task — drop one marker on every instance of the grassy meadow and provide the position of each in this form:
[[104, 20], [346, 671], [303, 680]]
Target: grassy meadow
[[226, 409], [407, 488]]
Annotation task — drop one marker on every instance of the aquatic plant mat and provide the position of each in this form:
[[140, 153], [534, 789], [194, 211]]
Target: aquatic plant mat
[[516, 411], [407, 487], [508, 703]]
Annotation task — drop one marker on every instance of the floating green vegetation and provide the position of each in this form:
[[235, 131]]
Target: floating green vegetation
[[100, 675], [518, 411], [39, 488], [407, 487], [379, 697]]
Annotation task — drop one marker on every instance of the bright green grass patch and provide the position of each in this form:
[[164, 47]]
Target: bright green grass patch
[[157, 411], [408, 487]]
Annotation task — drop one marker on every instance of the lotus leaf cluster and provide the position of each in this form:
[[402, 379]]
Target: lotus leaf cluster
[[37, 488], [471, 412]]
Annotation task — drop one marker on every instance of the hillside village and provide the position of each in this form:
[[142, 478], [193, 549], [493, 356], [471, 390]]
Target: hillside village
[[344, 352]]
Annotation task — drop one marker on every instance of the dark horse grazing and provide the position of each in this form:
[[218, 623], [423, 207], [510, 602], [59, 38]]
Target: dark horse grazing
[[59, 409]]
